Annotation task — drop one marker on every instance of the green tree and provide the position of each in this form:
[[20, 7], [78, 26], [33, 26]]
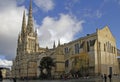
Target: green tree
[[81, 63], [84, 63], [46, 63]]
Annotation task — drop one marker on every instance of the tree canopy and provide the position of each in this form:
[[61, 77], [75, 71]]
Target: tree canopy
[[46, 63]]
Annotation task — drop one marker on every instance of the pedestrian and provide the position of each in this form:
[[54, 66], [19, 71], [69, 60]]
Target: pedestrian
[[1, 77], [110, 76], [105, 77], [102, 76], [14, 79]]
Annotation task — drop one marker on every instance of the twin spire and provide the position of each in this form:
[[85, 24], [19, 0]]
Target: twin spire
[[54, 46], [24, 23], [30, 20], [29, 28]]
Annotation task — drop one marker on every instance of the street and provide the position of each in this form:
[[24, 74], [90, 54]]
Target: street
[[70, 80]]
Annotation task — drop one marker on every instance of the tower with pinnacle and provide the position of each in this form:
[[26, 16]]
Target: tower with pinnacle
[[28, 41], [27, 48]]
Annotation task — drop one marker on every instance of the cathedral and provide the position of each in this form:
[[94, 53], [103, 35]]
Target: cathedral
[[93, 54], [29, 54]]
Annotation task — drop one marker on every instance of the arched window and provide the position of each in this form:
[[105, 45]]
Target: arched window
[[88, 47], [104, 47], [77, 47]]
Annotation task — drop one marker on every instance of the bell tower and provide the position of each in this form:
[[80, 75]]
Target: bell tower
[[31, 39], [28, 40]]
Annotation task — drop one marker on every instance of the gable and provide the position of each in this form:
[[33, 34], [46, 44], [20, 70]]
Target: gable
[[105, 32]]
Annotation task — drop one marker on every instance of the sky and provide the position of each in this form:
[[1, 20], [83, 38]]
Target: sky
[[54, 20]]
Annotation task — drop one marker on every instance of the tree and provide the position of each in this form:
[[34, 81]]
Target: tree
[[81, 63], [84, 63], [46, 63]]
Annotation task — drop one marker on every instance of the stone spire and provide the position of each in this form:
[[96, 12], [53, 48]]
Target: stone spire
[[30, 20], [54, 45], [23, 31], [19, 39], [46, 47], [36, 33], [58, 42]]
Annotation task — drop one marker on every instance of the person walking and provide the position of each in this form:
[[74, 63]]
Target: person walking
[[105, 77], [110, 76], [14, 79], [1, 77]]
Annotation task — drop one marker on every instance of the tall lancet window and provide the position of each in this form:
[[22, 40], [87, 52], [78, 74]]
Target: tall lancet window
[[104, 47]]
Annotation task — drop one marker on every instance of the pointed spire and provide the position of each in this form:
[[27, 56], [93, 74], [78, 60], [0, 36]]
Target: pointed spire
[[54, 46], [30, 4], [19, 38], [46, 47], [30, 20], [36, 37], [58, 42], [36, 32], [23, 24]]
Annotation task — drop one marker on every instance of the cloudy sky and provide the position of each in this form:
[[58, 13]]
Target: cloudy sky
[[55, 19]]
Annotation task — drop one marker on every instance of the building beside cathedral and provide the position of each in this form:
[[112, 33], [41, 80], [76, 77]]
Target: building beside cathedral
[[93, 54], [118, 57], [97, 53]]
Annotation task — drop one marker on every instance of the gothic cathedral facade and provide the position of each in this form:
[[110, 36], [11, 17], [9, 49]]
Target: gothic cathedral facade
[[94, 54]]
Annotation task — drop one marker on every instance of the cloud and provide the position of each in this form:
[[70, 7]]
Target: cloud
[[5, 63], [93, 14], [70, 4], [45, 5], [84, 12], [52, 29], [64, 28], [20, 2], [118, 1], [10, 25], [98, 14]]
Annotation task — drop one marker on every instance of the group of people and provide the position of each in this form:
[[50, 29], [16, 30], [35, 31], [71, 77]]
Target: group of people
[[105, 77]]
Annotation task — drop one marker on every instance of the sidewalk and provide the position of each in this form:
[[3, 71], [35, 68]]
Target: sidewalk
[[114, 79]]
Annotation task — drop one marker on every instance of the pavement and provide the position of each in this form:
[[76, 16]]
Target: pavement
[[69, 80]]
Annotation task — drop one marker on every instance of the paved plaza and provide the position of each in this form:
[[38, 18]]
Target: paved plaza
[[70, 80]]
